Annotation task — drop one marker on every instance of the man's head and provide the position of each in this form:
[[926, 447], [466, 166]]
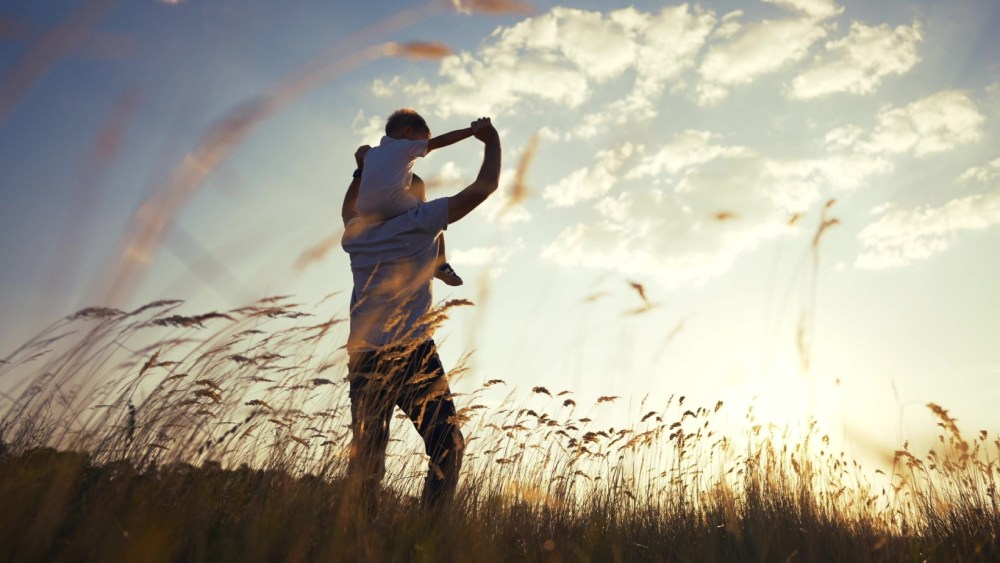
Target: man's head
[[406, 123]]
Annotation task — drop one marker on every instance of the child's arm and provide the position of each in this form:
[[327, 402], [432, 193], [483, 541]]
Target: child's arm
[[449, 138]]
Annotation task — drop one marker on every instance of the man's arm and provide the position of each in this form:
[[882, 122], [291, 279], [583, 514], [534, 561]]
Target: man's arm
[[347, 210], [449, 138], [460, 204]]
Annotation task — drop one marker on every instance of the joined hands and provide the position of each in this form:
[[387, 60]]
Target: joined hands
[[483, 129]]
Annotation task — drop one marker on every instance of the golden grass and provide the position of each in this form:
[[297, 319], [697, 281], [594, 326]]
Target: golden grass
[[224, 436]]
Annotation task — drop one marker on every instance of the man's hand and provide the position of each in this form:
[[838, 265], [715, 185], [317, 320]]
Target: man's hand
[[483, 129], [359, 155], [460, 204]]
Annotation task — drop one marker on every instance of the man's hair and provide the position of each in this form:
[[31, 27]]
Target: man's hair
[[406, 117]]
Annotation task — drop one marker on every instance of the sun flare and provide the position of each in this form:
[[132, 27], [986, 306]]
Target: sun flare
[[780, 395]]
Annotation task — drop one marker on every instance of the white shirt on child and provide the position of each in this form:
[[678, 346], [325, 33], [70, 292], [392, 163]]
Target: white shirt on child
[[384, 190]]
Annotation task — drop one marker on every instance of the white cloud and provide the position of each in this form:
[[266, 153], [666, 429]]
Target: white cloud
[[673, 231], [616, 209], [688, 149], [602, 47], [547, 133], [987, 172], [493, 256], [761, 48], [843, 167], [674, 234], [560, 56], [820, 9], [385, 89], [882, 208], [844, 137], [590, 182], [729, 25], [673, 237], [901, 236], [450, 172], [669, 44], [553, 57], [369, 129], [858, 63], [591, 125], [837, 169], [447, 178], [937, 123]]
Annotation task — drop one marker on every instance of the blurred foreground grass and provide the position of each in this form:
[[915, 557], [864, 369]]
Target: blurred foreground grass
[[154, 436]]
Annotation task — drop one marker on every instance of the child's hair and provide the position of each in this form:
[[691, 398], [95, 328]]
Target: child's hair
[[406, 117]]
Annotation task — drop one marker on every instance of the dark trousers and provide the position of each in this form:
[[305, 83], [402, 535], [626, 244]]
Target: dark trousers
[[413, 379]]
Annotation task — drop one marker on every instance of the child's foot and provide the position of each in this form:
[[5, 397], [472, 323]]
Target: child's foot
[[447, 274]]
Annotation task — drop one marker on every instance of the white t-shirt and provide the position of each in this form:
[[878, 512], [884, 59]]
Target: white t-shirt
[[388, 172], [393, 264]]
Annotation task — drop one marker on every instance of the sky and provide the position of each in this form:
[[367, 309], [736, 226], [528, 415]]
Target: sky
[[761, 170]]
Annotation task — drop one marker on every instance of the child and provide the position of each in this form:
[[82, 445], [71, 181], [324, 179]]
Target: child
[[386, 189]]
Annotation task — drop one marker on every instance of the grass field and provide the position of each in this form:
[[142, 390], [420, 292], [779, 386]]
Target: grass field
[[159, 435], [155, 436]]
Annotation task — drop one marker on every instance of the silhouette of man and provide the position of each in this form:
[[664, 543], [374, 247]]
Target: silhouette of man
[[393, 360]]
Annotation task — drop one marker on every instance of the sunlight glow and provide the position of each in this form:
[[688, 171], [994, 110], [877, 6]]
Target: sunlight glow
[[782, 396]]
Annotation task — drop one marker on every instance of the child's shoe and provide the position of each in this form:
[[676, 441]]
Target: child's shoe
[[447, 274]]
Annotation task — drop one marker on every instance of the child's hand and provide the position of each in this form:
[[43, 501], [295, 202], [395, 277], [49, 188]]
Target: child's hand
[[359, 155], [483, 129]]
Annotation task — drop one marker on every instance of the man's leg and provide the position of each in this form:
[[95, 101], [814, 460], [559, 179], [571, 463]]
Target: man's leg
[[426, 399], [371, 411]]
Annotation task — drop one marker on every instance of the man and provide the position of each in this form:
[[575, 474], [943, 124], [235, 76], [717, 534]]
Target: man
[[393, 358]]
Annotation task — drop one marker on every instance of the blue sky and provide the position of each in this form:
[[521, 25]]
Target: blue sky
[[652, 118]]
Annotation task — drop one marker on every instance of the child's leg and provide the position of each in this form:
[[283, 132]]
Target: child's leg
[[441, 256], [442, 271], [419, 190]]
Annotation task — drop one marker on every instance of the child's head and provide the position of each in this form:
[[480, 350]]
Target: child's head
[[406, 123]]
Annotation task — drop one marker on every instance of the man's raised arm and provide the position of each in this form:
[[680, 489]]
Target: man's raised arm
[[347, 210], [460, 204]]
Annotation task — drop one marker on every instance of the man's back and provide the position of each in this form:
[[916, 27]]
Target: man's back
[[393, 265]]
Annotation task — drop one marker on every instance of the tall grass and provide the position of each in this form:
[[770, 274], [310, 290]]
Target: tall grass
[[153, 435]]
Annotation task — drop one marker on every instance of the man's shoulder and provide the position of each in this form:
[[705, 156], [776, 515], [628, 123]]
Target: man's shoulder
[[429, 217], [426, 219], [433, 214]]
